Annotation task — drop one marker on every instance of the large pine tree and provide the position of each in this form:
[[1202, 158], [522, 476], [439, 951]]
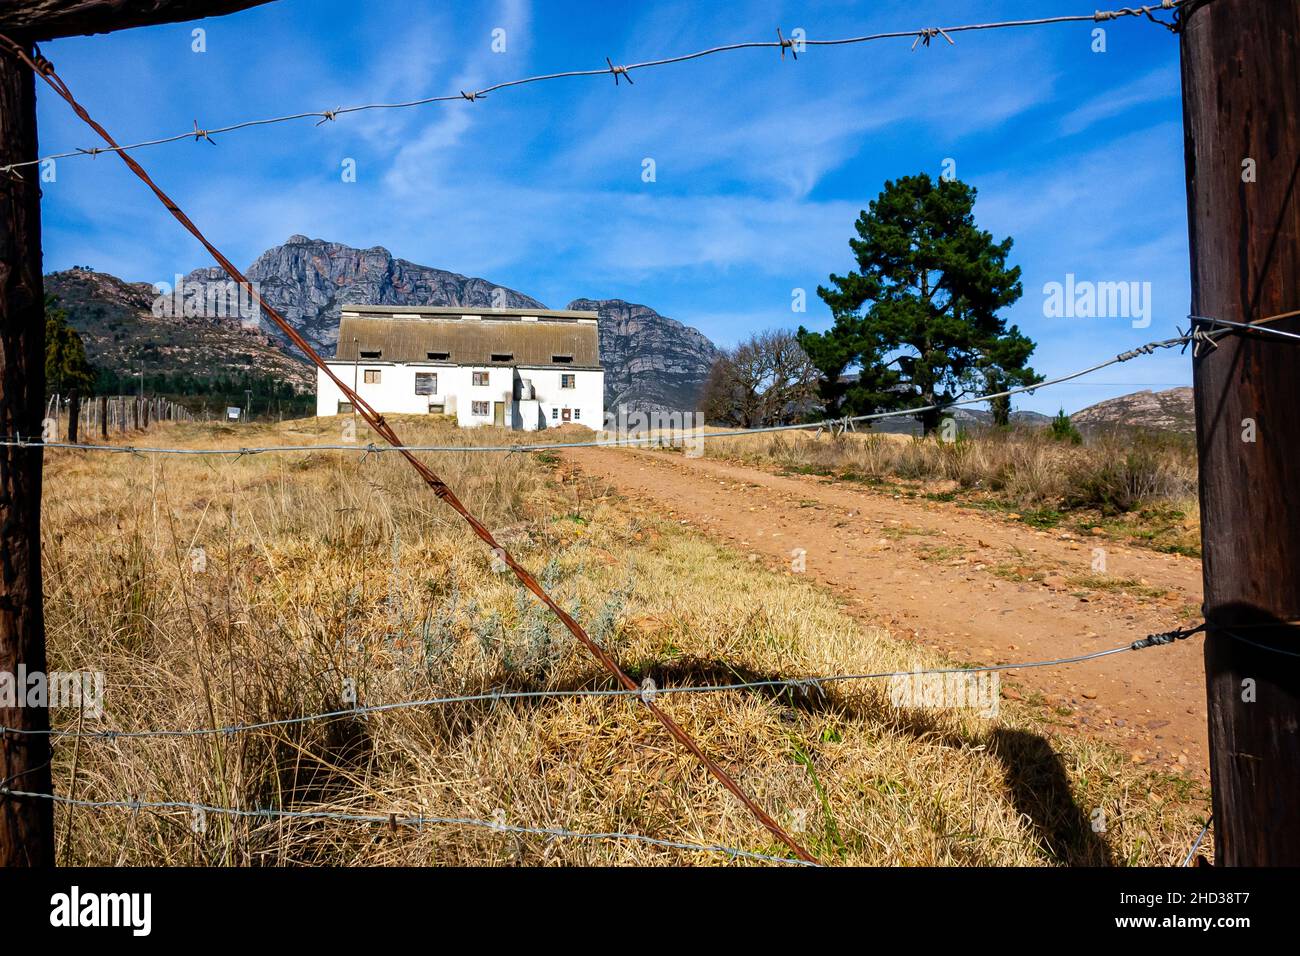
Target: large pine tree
[[918, 320]]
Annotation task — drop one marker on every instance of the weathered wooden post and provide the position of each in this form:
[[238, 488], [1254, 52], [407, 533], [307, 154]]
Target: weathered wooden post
[[1241, 105], [26, 826], [74, 415]]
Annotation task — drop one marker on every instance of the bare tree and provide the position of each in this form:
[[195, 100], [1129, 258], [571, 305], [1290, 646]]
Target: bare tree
[[765, 380]]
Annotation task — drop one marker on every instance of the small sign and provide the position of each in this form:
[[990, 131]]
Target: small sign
[[233, 413]]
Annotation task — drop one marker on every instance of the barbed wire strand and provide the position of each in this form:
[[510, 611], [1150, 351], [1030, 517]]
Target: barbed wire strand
[[45, 70], [1197, 845], [922, 35], [1211, 336], [393, 820], [803, 685], [1248, 326], [1255, 644], [671, 438]]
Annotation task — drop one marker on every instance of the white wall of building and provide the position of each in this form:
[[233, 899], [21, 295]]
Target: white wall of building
[[457, 393], [585, 401], [395, 391]]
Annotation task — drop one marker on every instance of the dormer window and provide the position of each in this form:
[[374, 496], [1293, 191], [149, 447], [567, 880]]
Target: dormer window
[[503, 356], [372, 353], [561, 359], [438, 356]]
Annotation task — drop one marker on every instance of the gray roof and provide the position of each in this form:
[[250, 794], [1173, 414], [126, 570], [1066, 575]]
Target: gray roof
[[458, 311], [430, 331]]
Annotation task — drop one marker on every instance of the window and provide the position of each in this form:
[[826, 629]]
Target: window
[[480, 378], [482, 409], [371, 353], [555, 413], [438, 356], [345, 408], [568, 381], [561, 359], [426, 383], [577, 414], [372, 376], [503, 356]]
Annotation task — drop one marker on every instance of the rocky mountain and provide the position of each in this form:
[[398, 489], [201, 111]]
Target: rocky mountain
[[308, 281], [652, 362], [1170, 411], [128, 326]]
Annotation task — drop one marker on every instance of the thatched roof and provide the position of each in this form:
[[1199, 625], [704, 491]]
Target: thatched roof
[[491, 337]]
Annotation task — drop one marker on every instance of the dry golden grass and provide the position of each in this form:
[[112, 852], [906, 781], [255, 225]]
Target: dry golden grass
[[1136, 485], [325, 568]]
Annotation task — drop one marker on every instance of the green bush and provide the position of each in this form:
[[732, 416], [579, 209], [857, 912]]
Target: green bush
[[1062, 429]]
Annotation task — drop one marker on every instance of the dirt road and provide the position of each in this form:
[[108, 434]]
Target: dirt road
[[976, 586]]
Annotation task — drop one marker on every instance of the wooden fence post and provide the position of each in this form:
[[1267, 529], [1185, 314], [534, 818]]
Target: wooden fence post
[[26, 826]]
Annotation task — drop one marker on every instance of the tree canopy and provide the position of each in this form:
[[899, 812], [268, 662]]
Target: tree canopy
[[917, 323], [66, 366], [765, 380]]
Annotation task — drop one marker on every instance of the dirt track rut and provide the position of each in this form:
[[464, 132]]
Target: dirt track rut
[[954, 579]]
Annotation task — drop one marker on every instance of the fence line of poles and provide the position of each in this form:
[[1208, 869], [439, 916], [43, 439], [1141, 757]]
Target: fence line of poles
[[72, 417]]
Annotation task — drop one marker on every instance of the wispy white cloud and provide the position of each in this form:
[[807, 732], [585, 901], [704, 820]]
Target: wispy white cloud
[[1159, 85], [762, 164]]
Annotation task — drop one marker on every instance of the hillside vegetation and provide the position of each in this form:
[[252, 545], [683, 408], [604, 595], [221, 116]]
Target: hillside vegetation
[[203, 363], [323, 569]]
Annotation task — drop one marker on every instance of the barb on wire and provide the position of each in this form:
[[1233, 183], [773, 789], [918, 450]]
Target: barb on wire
[[376, 421], [924, 34], [802, 685], [618, 71], [786, 44], [924, 37], [393, 821]]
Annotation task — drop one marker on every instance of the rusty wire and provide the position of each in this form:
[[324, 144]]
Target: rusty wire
[[45, 69], [921, 36]]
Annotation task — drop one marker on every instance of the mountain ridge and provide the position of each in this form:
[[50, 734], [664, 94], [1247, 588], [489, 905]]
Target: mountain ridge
[[652, 362]]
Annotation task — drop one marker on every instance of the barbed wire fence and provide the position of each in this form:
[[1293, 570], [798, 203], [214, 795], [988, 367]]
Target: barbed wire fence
[[1198, 335], [795, 44]]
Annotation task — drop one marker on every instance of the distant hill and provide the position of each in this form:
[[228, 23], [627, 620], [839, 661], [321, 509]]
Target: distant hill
[[122, 334], [1167, 411], [967, 418]]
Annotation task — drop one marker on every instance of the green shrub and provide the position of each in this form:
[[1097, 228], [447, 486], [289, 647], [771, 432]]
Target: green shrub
[[1062, 429]]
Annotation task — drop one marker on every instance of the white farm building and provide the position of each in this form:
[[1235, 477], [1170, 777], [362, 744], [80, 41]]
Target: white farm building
[[513, 368]]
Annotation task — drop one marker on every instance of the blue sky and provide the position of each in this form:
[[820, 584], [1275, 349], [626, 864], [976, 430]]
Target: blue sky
[[761, 165]]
